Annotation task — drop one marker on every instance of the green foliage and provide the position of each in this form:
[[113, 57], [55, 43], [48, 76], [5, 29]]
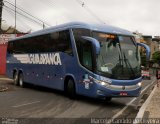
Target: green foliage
[[143, 60], [156, 57]]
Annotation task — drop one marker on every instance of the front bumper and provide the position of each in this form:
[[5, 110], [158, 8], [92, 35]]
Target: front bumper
[[118, 91]]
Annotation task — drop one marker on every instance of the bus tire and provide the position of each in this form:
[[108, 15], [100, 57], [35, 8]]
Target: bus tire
[[20, 80], [108, 99], [15, 78], [71, 89]]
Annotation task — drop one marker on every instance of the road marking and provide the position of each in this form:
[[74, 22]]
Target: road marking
[[129, 103], [143, 108], [16, 106]]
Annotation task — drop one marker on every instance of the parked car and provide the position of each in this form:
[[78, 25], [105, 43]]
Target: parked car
[[145, 73]]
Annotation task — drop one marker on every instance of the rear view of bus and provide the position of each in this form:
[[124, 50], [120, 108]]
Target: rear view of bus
[[98, 61]]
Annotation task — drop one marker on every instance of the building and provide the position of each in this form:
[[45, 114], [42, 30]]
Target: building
[[153, 43], [157, 39], [6, 35]]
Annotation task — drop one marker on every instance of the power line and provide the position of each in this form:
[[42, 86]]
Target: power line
[[11, 13], [53, 4], [27, 13], [24, 15], [89, 10]]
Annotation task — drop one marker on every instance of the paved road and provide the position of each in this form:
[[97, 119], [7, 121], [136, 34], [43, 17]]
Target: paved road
[[38, 102]]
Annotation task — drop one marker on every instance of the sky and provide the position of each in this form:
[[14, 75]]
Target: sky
[[134, 15]]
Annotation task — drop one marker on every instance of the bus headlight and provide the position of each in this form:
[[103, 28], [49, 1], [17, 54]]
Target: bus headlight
[[103, 83], [106, 84], [139, 84]]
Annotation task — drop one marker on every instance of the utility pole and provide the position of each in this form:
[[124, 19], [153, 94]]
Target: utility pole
[[1, 6], [15, 16]]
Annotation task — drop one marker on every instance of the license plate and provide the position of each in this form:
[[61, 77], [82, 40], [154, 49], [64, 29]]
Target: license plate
[[123, 94]]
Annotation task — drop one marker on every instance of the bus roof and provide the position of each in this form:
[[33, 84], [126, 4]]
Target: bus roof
[[95, 27]]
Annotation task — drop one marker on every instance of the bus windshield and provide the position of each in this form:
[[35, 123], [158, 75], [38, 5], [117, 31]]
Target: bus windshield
[[119, 57]]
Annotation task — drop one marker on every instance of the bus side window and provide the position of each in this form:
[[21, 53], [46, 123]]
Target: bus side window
[[86, 57], [60, 41]]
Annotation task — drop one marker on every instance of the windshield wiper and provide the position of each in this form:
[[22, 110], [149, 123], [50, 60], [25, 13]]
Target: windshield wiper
[[128, 63], [120, 55]]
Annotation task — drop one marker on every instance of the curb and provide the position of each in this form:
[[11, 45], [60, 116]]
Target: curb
[[6, 79], [140, 114], [4, 89]]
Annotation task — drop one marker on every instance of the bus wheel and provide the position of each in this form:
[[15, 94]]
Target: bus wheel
[[108, 99], [15, 78], [71, 89], [20, 80]]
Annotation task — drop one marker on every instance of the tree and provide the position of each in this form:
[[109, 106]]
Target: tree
[[156, 57], [143, 57]]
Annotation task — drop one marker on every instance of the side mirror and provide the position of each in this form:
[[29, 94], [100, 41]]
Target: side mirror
[[148, 51], [95, 43]]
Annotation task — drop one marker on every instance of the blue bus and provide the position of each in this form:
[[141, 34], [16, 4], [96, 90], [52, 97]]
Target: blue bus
[[94, 60]]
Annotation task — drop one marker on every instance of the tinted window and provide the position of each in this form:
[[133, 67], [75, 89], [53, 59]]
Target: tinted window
[[64, 42], [84, 47], [86, 58], [53, 42], [81, 32]]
